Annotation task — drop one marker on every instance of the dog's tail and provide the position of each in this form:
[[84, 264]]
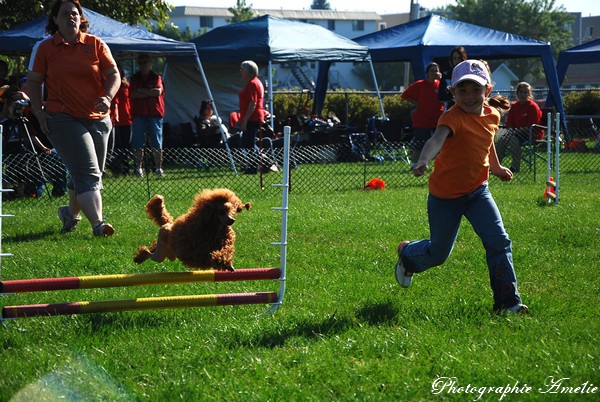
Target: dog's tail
[[156, 211]]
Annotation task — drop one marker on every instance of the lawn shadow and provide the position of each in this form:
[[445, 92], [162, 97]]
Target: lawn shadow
[[29, 237], [383, 313]]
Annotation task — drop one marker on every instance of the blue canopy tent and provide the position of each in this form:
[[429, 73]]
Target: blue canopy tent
[[269, 39], [420, 41], [583, 54], [125, 42]]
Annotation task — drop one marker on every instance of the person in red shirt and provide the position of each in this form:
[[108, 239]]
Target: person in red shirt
[[252, 111], [146, 96], [123, 107], [522, 115], [424, 95], [458, 186], [120, 113], [81, 78]]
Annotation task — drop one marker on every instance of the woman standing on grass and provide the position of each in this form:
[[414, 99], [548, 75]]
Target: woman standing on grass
[[81, 78], [458, 187]]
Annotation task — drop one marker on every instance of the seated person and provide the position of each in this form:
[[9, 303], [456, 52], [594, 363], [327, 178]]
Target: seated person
[[17, 142], [522, 115], [209, 125]]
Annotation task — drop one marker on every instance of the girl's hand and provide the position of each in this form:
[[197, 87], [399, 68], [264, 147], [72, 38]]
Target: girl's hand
[[503, 173], [419, 168]]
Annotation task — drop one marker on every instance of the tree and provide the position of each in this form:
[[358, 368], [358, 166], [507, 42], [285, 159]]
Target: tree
[[241, 12], [535, 19], [320, 5], [172, 31], [134, 12]]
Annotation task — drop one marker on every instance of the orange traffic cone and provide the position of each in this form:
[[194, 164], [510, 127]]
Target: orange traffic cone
[[550, 192]]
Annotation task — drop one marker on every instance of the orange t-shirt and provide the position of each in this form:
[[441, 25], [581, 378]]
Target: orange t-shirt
[[73, 73], [463, 162]]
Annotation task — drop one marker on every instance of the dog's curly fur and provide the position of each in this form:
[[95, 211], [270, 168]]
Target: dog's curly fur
[[202, 238]]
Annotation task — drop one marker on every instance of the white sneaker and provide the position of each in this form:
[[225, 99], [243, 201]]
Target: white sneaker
[[403, 277], [138, 172], [103, 229], [69, 222], [159, 172]]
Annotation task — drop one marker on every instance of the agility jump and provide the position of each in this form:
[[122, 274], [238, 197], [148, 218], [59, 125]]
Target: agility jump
[[122, 280], [165, 278]]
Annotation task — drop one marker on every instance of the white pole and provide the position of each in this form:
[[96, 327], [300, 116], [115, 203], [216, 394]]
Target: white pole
[[548, 146], [285, 185], [223, 136], [377, 89], [270, 93], [557, 161], [2, 190]]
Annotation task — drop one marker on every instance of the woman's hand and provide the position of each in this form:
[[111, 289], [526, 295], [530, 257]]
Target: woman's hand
[[102, 105], [419, 168]]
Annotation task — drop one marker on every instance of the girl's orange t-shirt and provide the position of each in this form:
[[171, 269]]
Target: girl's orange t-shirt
[[463, 162]]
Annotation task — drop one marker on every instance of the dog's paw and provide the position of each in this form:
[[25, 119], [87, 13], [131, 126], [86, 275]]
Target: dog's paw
[[142, 255]]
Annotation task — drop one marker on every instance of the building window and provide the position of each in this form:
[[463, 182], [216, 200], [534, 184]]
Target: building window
[[331, 25], [358, 25], [206, 22], [590, 32], [382, 26]]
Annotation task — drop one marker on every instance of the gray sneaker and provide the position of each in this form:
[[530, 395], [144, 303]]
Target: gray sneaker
[[68, 221], [403, 277], [516, 309], [103, 229]]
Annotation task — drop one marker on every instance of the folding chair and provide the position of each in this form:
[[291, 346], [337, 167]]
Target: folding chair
[[378, 141], [535, 147]]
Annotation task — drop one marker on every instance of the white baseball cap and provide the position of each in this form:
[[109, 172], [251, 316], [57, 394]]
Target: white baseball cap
[[471, 70]]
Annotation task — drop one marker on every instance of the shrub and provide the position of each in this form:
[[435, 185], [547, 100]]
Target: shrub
[[355, 108], [582, 102]]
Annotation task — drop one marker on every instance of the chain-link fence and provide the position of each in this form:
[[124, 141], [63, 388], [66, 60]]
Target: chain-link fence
[[344, 164]]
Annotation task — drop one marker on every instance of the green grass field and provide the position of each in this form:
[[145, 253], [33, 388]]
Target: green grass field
[[346, 330]]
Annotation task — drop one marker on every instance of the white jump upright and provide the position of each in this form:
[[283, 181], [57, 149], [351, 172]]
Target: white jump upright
[[285, 187], [2, 214]]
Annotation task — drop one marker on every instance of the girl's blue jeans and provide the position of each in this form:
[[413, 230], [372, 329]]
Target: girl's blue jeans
[[444, 221]]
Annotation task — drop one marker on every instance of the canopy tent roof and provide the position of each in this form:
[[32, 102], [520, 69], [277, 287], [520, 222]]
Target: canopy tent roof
[[268, 38], [122, 39], [125, 42], [583, 54], [423, 40]]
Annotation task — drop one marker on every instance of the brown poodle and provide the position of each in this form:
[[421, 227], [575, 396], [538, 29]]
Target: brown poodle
[[202, 238]]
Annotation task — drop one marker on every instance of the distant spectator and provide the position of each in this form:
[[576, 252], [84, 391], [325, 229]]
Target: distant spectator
[[251, 112], [457, 54], [146, 94], [522, 115], [209, 126], [120, 112], [424, 95]]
